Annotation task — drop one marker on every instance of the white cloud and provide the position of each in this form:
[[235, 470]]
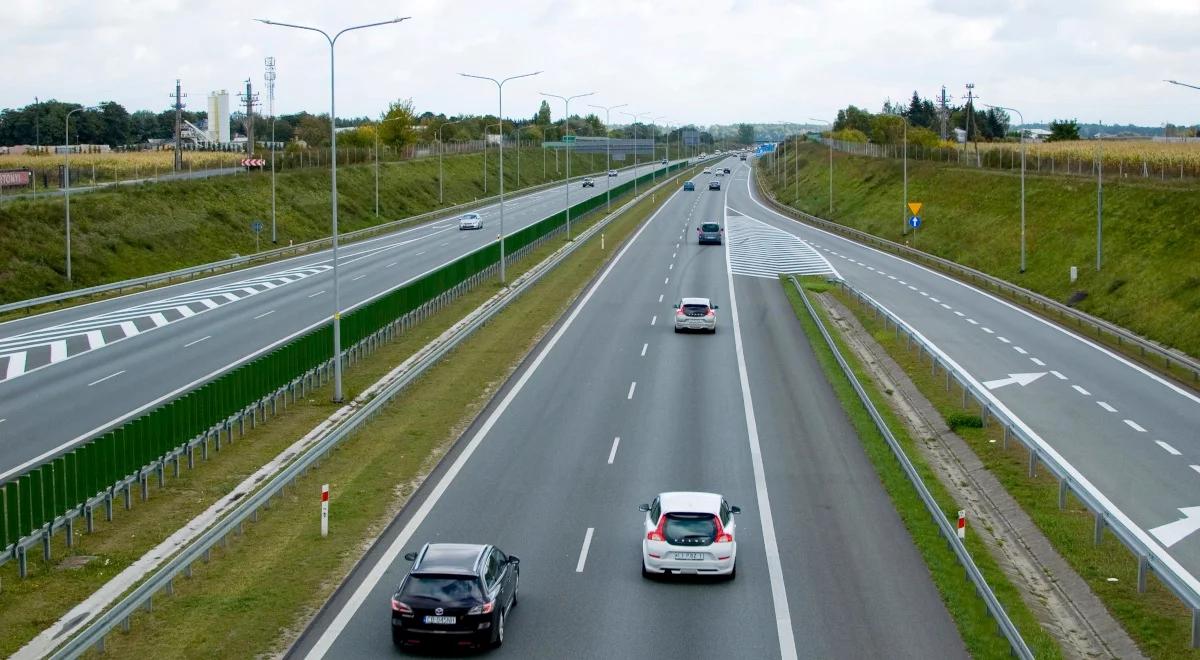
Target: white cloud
[[713, 62]]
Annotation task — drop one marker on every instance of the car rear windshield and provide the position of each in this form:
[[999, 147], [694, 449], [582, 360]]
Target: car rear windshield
[[442, 587], [710, 227], [690, 528], [695, 310]]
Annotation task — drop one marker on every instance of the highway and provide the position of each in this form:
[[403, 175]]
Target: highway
[[70, 374], [1131, 434], [613, 408]]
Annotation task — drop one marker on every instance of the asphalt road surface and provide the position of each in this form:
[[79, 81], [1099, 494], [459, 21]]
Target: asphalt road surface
[[612, 408], [68, 375]]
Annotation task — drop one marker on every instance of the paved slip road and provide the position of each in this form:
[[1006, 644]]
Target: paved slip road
[[1133, 435], [68, 375], [170, 176], [826, 568]]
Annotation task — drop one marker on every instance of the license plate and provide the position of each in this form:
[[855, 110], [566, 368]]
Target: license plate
[[441, 620], [689, 555]]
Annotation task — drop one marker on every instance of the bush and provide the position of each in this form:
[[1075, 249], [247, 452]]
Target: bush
[[964, 420]]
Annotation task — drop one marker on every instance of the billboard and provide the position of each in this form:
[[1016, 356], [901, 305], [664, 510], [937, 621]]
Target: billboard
[[691, 137], [15, 178]]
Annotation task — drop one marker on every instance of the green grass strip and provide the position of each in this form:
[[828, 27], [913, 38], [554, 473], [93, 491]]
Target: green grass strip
[[978, 629]]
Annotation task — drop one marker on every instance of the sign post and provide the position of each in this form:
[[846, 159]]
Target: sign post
[[257, 228], [962, 524], [325, 512]]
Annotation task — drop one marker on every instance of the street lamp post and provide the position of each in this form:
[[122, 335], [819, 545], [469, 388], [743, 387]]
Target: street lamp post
[[377, 129], [904, 200], [499, 131], [441, 149], [633, 118], [333, 198], [654, 123], [822, 121], [67, 183], [500, 115], [607, 152], [566, 132], [1022, 140]]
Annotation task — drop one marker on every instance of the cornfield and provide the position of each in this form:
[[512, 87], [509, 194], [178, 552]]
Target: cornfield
[[1126, 159]]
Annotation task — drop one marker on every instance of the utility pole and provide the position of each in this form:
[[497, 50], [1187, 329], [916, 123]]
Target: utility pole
[[179, 96], [944, 113], [251, 100], [971, 120], [269, 76]]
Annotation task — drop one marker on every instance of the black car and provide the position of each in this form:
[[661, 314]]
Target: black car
[[727, 170], [455, 593], [709, 232]]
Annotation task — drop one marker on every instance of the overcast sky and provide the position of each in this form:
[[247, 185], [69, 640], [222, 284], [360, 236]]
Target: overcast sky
[[699, 61]]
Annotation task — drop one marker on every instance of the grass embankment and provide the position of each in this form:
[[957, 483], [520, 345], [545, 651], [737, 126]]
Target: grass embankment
[[970, 615], [1156, 620], [135, 231], [271, 579], [1150, 276]]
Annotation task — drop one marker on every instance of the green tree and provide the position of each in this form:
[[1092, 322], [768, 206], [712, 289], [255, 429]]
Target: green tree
[[397, 129], [1062, 130], [313, 130], [745, 133], [543, 113]]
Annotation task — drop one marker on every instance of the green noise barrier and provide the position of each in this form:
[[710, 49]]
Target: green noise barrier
[[52, 495]]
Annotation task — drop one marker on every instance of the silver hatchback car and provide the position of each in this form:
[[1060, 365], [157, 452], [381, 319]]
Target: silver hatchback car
[[695, 314]]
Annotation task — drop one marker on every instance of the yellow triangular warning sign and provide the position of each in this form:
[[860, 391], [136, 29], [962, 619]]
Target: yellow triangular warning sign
[[915, 207]]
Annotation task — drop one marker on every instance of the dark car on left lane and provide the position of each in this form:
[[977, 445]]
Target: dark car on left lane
[[455, 593]]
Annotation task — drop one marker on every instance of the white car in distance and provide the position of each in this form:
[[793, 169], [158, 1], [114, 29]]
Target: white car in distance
[[470, 221], [686, 533]]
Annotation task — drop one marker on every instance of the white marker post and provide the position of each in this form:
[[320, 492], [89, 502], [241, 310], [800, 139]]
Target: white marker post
[[325, 512], [962, 524]]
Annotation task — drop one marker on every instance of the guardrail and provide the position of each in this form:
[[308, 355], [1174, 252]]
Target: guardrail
[[1170, 358], [92, 636], [1149, 555], [268, 255], [77, 483], [1006, 626]]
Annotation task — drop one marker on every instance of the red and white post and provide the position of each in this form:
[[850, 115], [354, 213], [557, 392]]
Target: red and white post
[[325, 512], [962, 524]]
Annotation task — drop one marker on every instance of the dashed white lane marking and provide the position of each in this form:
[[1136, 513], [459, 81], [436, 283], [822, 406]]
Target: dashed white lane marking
[[912, 287], [972, 321], [94, 382], [1037, 362], [1194, 467], [193, 343], [934, 299], [987, 330], [644, 347], [901, 282], [667, 281], [660, 297], [357, 278], [945, 305], [959, 314], [1168, 448], [654, 319], [262, 315], [317, 293], [1020, 350], [892, 277], [3, 420], [1134, 425], [1003, 339], [587, 543], [632, 387], [1081, 390], [1105, 406], [923, 293], [391, 264], [1058, 375], [613, 454], [676, 246], [671, 267]]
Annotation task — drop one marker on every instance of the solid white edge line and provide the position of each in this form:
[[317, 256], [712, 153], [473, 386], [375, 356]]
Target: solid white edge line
[[356, 600], [783, 615], [587, 543], [611, 455]]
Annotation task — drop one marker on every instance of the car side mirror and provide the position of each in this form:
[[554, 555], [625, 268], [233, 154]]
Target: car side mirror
[[411, 556], [716, 307], [644, 507], [513, 560], [735, 509], [675, 306]]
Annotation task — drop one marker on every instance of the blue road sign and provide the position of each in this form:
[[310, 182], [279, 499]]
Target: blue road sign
[[256, 226], [914, 222]]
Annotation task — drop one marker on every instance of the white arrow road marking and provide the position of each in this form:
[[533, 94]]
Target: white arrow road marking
[[1020, 379], [1174, 532]]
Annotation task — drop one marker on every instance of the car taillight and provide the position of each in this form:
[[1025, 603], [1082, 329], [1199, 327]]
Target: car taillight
[[486, 608], [722, 535], [657, 534], [397, 606], [710, 312]]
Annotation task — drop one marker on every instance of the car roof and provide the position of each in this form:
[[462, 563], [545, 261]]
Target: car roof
[[452, 558], [470, 214], [688, 502], [694, 301]]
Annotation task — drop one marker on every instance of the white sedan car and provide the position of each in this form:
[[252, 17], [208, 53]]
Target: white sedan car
[[470, 221], [695, 314], [689, 534]]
